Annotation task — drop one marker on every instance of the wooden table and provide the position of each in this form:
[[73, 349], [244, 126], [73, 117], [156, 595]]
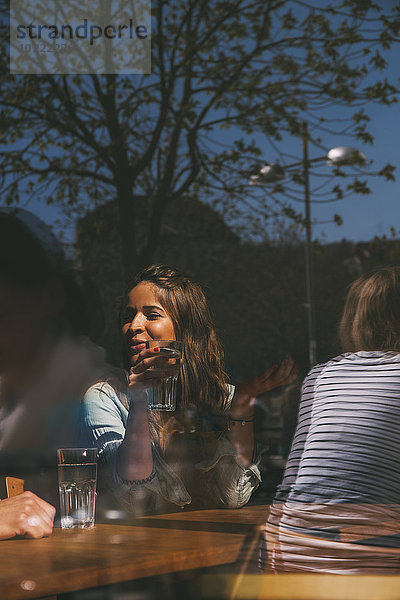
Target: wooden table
[[78, 559], [75, 559]]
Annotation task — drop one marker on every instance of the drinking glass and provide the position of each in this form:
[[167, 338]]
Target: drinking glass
[[163, 396], [77, 476]]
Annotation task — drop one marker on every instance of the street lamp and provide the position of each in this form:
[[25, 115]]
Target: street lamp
[[272, 173]]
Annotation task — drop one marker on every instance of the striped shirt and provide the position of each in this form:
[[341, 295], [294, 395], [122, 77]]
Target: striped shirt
[[347, 443]]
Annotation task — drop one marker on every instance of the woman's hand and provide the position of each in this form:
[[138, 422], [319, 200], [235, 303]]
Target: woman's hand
[[26, 514], [273, 377], [151, 367]]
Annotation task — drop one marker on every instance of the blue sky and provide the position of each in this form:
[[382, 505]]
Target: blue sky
[[374, 214], [363, 216]]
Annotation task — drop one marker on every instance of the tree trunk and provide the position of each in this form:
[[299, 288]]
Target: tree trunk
[[127, 222]]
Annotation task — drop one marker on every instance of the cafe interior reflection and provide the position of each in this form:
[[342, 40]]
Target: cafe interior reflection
[[338, 539]]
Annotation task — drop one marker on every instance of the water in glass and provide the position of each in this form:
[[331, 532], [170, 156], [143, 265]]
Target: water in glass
[[77, 487]]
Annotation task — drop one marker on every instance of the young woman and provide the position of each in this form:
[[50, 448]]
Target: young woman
[[46, 363], [340, 495], [204, 453]]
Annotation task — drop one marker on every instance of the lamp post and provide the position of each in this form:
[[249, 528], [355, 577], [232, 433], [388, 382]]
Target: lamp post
[[310, 306], [337, 156]]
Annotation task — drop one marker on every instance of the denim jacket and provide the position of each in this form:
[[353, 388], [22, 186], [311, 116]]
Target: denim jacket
[[217, 479]]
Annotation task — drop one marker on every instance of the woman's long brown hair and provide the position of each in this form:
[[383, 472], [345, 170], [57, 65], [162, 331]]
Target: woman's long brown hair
[[202, 378], [371, 316]]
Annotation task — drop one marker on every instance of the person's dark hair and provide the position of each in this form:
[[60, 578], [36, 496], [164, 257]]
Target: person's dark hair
[[202, 378], [371, 316], [28, 262]]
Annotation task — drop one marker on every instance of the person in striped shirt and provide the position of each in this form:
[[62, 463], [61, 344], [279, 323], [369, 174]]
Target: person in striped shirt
[[338, 507]]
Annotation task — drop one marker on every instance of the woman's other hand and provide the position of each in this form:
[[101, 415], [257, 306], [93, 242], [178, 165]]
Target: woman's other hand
[[27, 515], [275, 376]]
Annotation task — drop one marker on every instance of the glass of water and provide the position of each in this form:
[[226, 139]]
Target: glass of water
[[163, 396], [77, 476]]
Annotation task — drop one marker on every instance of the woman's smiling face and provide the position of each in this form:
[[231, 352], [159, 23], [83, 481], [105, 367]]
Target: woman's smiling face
[[144, 318]]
